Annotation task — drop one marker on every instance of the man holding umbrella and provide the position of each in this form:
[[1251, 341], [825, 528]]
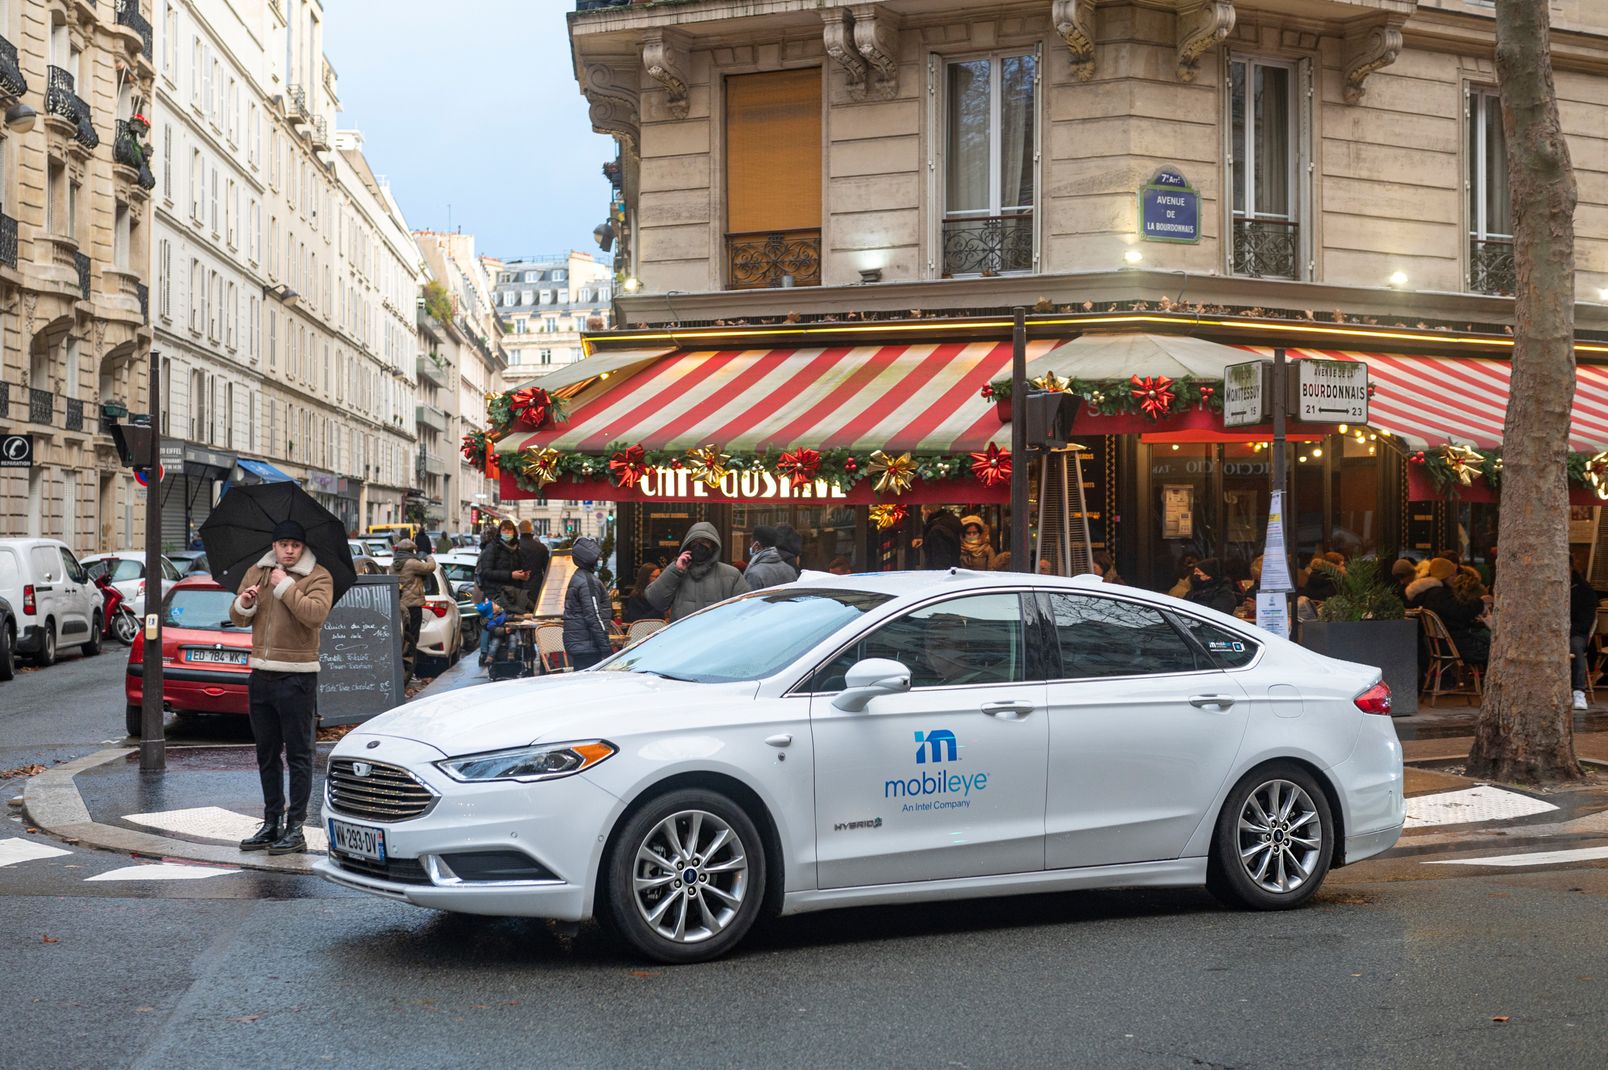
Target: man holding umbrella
[[284, 595]]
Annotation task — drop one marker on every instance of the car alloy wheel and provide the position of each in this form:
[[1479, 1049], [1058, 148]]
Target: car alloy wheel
[[125, 626], [1280, 837], [690, 876]]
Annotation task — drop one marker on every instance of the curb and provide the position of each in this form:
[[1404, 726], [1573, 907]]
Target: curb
[[53, 803]]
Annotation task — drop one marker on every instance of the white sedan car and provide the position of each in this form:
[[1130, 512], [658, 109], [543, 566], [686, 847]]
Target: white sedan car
[[876, 739], [125, 570]]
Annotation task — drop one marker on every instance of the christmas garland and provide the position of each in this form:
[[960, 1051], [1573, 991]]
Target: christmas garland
[[625, 464], [530, 408], [1454, 465], [1155, 396], [477, 446]]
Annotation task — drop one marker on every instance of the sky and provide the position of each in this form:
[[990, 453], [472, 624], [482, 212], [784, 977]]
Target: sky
[[478, 110]]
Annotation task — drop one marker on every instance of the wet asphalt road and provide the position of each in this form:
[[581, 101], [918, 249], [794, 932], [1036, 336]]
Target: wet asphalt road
[[255, 970]]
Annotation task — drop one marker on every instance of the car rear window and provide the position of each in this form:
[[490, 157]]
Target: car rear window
[[198, 608], [117, 569], [1228, 649]]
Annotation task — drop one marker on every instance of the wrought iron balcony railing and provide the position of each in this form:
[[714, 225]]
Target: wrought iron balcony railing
[[41, 406], [773, 258], [8, 241], [127, 150], [320, 132], [12, 83], [75, 414], [1267, 248], [81, 262], [1490, 266], [596, 5], [128, 14], [296, 103], [988, 245], [61, 100]]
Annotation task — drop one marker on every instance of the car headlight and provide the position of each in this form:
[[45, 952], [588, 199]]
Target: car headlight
[[537, 762]]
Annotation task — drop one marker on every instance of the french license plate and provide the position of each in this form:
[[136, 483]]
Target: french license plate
[[357, 840], [218, 657]]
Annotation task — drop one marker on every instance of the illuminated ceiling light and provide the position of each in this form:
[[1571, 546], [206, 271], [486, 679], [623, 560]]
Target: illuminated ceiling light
[[1398, 278], [1372, 450], [1345, 429], [1302, 458], [1133, 256], [633, 284], [1175, 447], [1317, 451]]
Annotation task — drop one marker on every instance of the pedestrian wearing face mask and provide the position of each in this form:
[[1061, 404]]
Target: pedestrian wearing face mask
[[697, 578], [501, 572], [766, 566], [1209, 586]]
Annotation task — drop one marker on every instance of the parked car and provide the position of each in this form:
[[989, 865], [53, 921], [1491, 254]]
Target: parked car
[[440, 628], [380, 550], [204, 655], [126, 571], [8, 641], [946, 735], [189, 561], [57, 604], [459, 566], [361, 561]]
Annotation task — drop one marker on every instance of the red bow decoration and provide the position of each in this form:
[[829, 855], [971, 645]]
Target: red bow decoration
[[800, 466], [530, 406], [992, 467], [1154, 394], [628, 466]]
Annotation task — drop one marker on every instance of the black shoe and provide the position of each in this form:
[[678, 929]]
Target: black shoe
[[271, 830], [292, 842]]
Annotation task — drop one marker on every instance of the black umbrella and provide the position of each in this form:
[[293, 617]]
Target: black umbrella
[[240, 531]]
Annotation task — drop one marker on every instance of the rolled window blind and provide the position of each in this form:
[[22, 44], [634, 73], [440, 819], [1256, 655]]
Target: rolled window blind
[[773, 151]]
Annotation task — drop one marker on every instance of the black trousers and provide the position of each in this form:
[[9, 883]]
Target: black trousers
[[412, 619], [585, 660], [284, 718]]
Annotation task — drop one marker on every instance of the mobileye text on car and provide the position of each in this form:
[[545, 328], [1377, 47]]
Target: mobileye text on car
[[876, 739]]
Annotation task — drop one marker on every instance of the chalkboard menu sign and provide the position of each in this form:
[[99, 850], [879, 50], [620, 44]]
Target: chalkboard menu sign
[[360, 653]]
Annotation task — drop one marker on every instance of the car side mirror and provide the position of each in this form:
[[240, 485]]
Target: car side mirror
[[869, 679]]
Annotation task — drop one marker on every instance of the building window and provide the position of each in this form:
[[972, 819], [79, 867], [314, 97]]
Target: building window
[[121, 234], [197, 184], [773, 179], [530, 276], [197, 295], [990, 164], [526, 296], [1490, 210], [546, 356], [1263, 116], [167, 163], [164, 284], [199, 430]]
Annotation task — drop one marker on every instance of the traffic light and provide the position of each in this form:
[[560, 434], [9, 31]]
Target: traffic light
[[572, 527]]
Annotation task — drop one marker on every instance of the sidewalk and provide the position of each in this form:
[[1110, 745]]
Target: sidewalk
[[209, 798]]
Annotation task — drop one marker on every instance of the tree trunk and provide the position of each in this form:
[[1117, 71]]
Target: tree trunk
[[1526, 725]]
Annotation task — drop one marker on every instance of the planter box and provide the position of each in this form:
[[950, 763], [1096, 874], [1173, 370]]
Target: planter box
[[1390, 646], [1002, 409]]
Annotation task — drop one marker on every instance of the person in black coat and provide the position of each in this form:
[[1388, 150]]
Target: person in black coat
[[586, 616], [1433, 591], [637, 606], [1209, 586], [533, 558], [1582, 626], [940, 539], [499, 571]]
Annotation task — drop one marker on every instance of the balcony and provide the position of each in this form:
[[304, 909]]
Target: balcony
[[63, 102], [296, 104], [41, 406], [12, 83], [127, 150], [128, 14], [431, 465], [988, 245], [320, 133], [8, 241], [428, 416], [81, 263], [75, 414], [773, 258], [429, 369], [1267, 248], [1490, 266]]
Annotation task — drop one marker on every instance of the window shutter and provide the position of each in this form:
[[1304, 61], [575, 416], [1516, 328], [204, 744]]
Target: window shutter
[[773, 151]]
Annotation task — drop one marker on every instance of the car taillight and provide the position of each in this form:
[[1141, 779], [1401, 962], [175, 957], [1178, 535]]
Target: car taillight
[[29, 605], [438, 608], [1375, 700]]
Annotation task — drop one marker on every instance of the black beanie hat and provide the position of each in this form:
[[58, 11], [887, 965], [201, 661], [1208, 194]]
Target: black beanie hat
[[290, 529], [1211, 567]]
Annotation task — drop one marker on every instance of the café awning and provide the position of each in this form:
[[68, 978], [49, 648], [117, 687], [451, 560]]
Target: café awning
[[603, 365]]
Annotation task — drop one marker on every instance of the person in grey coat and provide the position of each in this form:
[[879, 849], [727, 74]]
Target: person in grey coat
[[586, 616], [698, 577], [766, 566]]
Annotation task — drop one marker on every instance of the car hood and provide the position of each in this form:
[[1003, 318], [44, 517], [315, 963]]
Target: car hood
[[552, 708]]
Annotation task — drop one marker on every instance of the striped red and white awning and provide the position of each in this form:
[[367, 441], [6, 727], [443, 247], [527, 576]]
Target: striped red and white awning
[[922, 398], [1433, 400]]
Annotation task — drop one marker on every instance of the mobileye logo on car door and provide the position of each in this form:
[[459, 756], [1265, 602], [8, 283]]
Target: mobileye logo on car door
[[933, 749]]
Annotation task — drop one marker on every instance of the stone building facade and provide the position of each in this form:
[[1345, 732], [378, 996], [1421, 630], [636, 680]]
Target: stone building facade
[[74, 252]]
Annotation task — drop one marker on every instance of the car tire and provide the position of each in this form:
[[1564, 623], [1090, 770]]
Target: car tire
[[47, 646], [1273, 841], [133, 720], [648, 905], [92, 645], [125, 626], [8, 657]]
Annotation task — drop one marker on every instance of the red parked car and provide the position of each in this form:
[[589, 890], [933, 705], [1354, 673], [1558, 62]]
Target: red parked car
[[204, 656]]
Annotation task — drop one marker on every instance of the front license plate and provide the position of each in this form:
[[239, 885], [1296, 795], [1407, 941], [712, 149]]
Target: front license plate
[[217, 657], [359, 841]]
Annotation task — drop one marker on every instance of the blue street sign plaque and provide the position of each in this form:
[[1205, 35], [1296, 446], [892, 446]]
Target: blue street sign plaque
[[1169, 208]]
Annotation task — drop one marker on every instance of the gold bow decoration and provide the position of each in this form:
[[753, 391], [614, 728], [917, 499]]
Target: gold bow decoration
[[895, 475], [539, 466], [1597, 474], [888, 516], [1053, 383], [708, 464], [1464, 462]]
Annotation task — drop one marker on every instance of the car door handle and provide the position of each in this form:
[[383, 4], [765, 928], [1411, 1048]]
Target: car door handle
[[1009, 710], [1222, 702]]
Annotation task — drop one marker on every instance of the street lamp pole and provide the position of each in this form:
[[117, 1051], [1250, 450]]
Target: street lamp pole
[[1019, 466], [153, 746]]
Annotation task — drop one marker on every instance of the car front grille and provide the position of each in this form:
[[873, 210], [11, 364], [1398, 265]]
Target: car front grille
[[384, 793], [396, 870]]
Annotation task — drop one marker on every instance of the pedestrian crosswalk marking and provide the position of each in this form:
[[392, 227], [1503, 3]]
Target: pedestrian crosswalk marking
[[216, 823], [1482, 803], [161, 871], [17, 850], [1534, 858]]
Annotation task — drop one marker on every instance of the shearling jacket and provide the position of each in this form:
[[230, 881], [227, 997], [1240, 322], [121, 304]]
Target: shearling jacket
[[286, 619]]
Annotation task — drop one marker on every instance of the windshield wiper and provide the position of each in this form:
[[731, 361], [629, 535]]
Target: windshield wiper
[[666, 675]]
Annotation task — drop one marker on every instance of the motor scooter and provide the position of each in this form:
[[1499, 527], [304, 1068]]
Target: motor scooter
[[120, 622]]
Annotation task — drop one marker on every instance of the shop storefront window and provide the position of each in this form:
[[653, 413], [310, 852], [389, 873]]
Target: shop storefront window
[[1355, 490]]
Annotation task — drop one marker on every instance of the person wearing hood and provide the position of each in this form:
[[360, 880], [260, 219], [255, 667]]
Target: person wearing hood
[[1209, 587], [412, 569], [500, 572], [697, 578], [766, 566], [1433, 591], [586, 620], [976, 547], [940, 539]]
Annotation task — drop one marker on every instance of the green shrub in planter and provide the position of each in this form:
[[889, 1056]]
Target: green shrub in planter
[[1364, 622]]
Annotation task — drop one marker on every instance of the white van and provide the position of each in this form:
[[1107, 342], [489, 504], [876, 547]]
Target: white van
[[56, 603]]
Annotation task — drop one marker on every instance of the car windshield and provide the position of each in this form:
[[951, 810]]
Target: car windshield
[[203, 608], [117, 569], [748, 639]]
